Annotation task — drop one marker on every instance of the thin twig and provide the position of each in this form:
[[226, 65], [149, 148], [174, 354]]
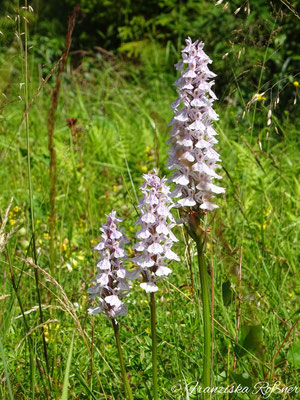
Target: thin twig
[[30, 344], [68, 306], [31, 190], [32, 101], [51, 120], [278, 351], [49, 321], [104, 51]]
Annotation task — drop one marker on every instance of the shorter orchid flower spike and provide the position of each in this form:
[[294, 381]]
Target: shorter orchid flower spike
[[155, 238], [111, 286]]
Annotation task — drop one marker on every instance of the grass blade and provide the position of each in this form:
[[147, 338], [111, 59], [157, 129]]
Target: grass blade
[[11, 396], [84, 384], [67, 372]]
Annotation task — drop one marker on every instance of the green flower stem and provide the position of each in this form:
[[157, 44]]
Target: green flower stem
[[206, 313], [154, 346], [123, 369]]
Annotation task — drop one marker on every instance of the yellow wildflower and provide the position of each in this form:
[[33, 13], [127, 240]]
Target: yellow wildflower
[[296, 83], [115, 188], [46, 332], [260, 97], [57, 327], [144, 168], [147, 149], [12, 221], [16, 209], [67, 253], [74, 262], [80, 256]]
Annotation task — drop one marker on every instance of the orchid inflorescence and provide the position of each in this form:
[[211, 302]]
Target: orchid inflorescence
[[193, 135], [155, 236], [111, 286], [155, 240]]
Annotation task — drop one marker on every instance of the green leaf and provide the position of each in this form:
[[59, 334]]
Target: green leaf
[[67, 372], [133, 49], [293, 354], [227, 293], [251, 339], [6, 373], [84, 384], [243, 379]]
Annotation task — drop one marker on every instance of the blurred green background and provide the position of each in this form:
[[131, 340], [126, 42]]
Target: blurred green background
[[238, 35]]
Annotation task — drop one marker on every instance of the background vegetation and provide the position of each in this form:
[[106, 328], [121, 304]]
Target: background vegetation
[[110, 128]]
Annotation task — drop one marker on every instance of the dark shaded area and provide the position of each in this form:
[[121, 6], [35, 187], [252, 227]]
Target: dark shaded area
[[237, 38]]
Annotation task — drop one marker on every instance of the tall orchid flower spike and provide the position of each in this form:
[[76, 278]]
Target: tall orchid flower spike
[[111, 286], [192, 135], [155, 240], [195, 162]]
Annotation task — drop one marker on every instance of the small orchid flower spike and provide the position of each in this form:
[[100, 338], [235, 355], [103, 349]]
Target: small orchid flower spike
[[155, 236], [111, 286], [193, 136]]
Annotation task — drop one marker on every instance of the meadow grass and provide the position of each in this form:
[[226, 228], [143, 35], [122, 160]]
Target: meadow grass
[[120, 133]]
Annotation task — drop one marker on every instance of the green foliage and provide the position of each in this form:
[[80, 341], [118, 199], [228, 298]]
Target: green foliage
[[122, 112], [244, 43], [67, 371], [227, 293], [100, 168], [251, 341], [293, 354]]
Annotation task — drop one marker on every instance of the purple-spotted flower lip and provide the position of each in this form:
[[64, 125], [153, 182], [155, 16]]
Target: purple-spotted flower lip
[[111, 285], [192, 155], [155, 238]]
